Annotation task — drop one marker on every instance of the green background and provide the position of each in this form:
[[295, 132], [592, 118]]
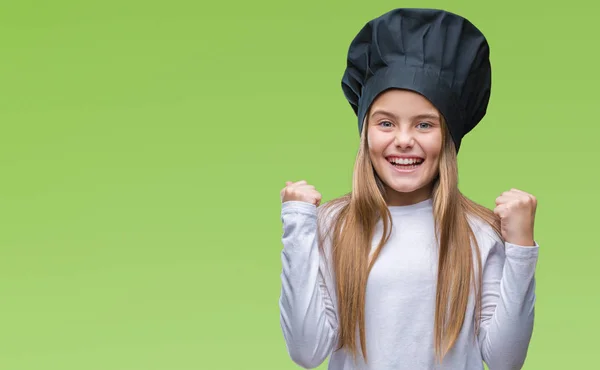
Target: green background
[[144, 145]]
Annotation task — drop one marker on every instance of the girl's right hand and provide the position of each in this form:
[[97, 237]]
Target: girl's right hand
[[300, 191]]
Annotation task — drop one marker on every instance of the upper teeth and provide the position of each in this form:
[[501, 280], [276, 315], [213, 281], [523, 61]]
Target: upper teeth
[[405, 160]]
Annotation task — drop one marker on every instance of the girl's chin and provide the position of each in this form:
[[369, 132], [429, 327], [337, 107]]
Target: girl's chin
[[407, 185], [405, 189]]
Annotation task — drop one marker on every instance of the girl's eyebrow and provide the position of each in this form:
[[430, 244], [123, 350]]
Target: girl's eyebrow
[[428, 116], [383, 112]]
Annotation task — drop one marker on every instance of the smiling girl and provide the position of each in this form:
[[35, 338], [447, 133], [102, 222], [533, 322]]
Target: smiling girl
[[405, 272]]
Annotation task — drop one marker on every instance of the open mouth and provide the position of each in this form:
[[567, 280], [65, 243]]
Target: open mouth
[[405, 163]]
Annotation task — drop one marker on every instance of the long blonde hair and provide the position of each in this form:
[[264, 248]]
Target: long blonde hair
[[358, 213]]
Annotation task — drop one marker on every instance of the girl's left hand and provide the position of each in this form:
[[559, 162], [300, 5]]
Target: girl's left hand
[[516, 210]]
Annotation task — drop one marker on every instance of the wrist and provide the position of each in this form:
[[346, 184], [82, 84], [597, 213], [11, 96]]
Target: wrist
[[522, 242]]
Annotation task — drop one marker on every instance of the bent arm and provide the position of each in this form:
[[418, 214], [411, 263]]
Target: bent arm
[[307, 312], [508, 302]]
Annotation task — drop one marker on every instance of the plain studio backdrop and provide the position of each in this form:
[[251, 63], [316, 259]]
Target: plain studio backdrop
[[143, 146]]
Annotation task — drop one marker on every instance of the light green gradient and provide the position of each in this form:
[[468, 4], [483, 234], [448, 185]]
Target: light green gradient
[[144, 145]]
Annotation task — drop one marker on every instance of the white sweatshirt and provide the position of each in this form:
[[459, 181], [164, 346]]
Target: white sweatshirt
[[400, 297]]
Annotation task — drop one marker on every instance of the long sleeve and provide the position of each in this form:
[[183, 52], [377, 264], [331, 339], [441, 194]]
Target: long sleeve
[[307, 311], [508, 300]]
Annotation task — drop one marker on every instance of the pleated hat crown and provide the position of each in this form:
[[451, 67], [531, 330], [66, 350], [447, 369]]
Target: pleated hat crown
[[435, 53]]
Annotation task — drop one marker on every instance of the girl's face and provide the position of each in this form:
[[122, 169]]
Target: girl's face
[[405, 141]]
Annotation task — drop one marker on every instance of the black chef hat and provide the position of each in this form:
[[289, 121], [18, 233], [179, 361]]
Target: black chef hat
[[438, 54]]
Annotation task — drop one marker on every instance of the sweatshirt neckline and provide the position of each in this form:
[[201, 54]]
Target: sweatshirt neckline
[[426, 204]]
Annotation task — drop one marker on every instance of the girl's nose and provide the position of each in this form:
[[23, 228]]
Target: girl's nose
[[404, 139]]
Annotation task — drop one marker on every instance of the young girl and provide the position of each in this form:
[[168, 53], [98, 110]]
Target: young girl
[[405, 272]]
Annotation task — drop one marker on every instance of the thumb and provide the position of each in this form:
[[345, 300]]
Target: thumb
[[287, 183]]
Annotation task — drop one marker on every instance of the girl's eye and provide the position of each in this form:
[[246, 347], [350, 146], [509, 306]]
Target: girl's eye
[[385, 122], [427, 125]]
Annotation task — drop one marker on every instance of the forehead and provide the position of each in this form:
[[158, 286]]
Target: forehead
[[403, 102]]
